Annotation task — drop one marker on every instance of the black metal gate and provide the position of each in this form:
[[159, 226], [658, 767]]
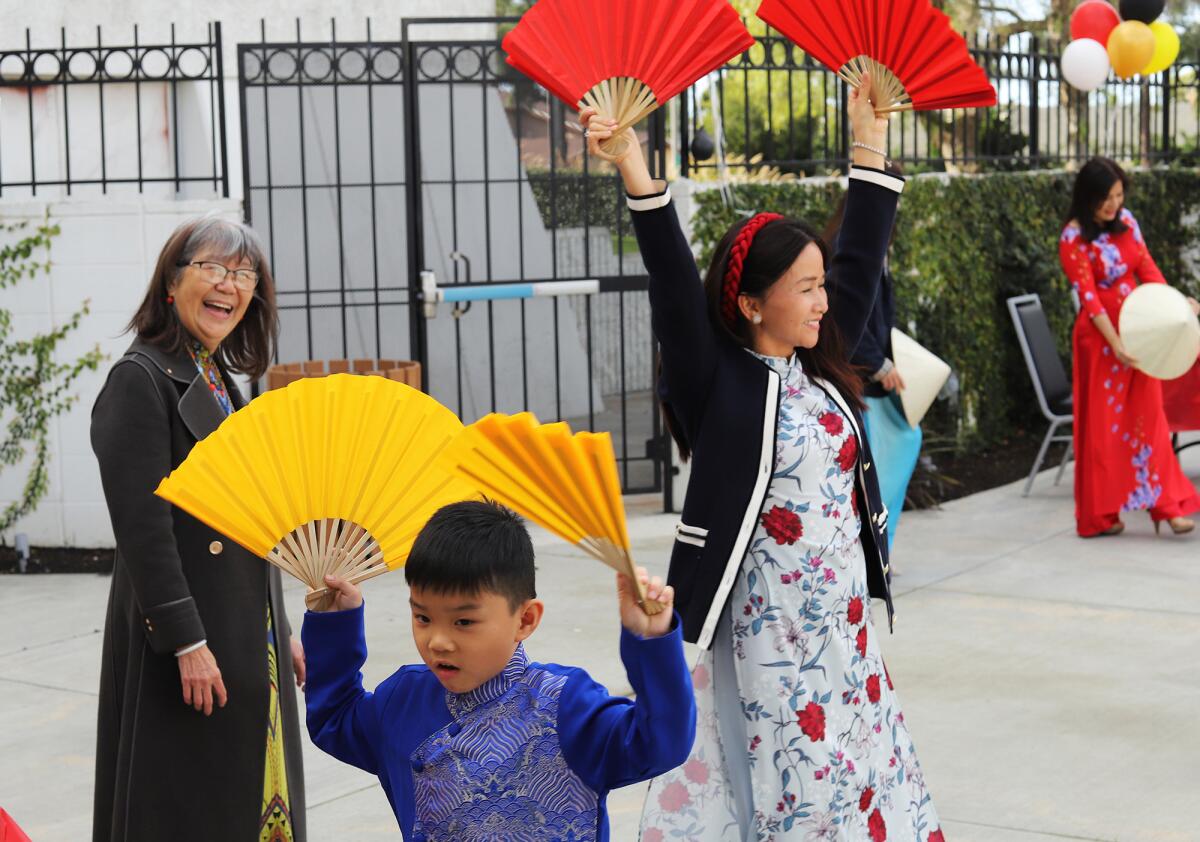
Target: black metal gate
[[377, 170]]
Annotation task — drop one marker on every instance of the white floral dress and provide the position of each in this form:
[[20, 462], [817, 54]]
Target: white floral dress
[[800, 735]]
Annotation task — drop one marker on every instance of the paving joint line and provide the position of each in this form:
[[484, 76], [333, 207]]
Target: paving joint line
[[1050, 833], [328, 801], [1104, 606], [41, 686], [983, 563], [43, 645]]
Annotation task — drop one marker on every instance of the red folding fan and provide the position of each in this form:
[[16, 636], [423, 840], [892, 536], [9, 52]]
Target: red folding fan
[[623, 58], [916, 60]]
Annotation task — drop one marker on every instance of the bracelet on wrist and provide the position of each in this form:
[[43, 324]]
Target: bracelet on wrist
[[860, 145]]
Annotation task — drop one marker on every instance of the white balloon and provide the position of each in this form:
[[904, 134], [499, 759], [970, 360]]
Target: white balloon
[[1085, 64]]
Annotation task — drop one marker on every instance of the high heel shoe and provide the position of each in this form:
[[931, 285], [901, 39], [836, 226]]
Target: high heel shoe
[[1116, 529], [1179, 525]]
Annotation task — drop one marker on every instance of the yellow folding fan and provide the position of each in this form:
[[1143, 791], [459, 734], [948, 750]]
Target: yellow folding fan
[[566, 483], [332, 475]]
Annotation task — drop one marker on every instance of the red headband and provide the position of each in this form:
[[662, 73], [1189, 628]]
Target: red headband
[[737, 258]]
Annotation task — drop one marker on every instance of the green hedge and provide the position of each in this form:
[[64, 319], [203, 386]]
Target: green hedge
[[963, 245], [571, 199]]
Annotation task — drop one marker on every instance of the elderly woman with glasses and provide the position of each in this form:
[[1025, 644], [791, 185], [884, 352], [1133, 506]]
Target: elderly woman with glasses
[[198, 735]]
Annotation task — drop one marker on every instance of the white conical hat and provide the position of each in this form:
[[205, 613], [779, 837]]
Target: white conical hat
[[1160, 331], [923, 372]]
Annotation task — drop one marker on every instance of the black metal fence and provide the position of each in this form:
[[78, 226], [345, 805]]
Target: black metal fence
[[774, 107], [367, 163], [370, 164], [101, 118]]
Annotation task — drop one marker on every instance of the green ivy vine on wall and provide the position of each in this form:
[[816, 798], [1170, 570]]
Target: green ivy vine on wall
[[36, 387]]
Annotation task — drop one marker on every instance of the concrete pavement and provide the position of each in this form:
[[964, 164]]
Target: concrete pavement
[[1051, 684]]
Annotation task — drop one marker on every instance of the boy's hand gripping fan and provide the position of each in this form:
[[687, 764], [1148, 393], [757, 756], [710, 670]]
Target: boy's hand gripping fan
[[331, 475], [624, 58], [565, 483], [916, 60]]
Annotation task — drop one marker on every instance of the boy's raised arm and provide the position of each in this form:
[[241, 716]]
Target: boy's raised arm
[[612, 741], [342, 716]]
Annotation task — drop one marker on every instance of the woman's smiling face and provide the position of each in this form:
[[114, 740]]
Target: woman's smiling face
[[208, 311], [792, 308], [1111, 206]]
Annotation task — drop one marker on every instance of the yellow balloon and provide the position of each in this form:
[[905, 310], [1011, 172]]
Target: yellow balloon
[[1130, 47], [1166, 48]]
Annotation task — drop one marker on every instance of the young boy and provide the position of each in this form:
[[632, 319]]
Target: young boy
[[479, 743]]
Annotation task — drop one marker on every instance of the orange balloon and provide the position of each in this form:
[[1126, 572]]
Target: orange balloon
[[1130, 47]]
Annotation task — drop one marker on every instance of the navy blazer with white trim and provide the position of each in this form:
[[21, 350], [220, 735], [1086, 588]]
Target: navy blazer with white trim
[[726, 400]]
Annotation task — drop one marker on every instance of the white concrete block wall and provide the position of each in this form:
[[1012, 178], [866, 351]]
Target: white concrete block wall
[[105, 254]]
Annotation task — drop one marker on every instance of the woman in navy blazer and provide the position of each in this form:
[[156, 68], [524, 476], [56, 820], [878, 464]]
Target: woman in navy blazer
[[783, 539], [722, 401]]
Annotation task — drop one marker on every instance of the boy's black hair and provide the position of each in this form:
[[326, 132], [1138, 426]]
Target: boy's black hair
[[473, 546]]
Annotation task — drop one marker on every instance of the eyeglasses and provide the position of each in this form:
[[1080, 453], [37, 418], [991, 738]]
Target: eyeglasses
[[213, 273]]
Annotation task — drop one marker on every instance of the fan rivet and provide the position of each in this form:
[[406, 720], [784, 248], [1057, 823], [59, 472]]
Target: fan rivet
[[216, 547]]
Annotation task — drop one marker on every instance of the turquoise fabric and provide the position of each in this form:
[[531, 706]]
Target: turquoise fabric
[[895, 447]]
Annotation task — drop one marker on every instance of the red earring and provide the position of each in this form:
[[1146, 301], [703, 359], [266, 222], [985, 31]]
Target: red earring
[[170, 299]]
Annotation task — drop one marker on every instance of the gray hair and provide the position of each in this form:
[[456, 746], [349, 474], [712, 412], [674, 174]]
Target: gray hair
[[222, 239]]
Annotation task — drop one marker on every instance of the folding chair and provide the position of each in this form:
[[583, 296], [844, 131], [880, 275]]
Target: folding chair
[[1050, 380]]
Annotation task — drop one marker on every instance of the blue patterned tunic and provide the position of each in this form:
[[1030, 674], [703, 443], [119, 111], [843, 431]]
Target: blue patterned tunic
[[529, 755]]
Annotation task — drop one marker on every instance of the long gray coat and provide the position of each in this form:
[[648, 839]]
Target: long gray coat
[[164, 771]]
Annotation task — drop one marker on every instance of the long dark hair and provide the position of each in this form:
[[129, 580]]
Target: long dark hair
[[774, 249], [1092, 186], [249, 347]]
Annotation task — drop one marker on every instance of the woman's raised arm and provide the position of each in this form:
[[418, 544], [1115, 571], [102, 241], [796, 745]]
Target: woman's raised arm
[[678, 308]]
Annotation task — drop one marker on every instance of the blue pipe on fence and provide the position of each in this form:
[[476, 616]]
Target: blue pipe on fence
[[466, 293]]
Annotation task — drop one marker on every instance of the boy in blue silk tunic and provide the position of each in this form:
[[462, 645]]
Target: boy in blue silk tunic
[[478, 742]]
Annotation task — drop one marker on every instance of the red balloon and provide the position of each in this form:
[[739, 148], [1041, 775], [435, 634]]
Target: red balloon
[[1094, 19]]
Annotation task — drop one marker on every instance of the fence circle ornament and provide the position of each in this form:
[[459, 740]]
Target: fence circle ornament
[[434, 64], [1130, 48], [252, 67], [352, 65], [317, 65], [47, 67], [468, 65], [192, 62], [386, 64], [282, 66], [1145, 11], [13, 67], [82, 66], [1085, 64], [118, 64], [155, 64]]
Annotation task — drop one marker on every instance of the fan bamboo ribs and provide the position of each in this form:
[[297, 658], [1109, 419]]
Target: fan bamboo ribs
[[330, 476], [624, 58], [566, 483], [915, 59]]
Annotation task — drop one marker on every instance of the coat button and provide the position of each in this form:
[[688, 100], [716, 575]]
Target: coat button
[[216, 547], [455, 729], [417, 765]]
